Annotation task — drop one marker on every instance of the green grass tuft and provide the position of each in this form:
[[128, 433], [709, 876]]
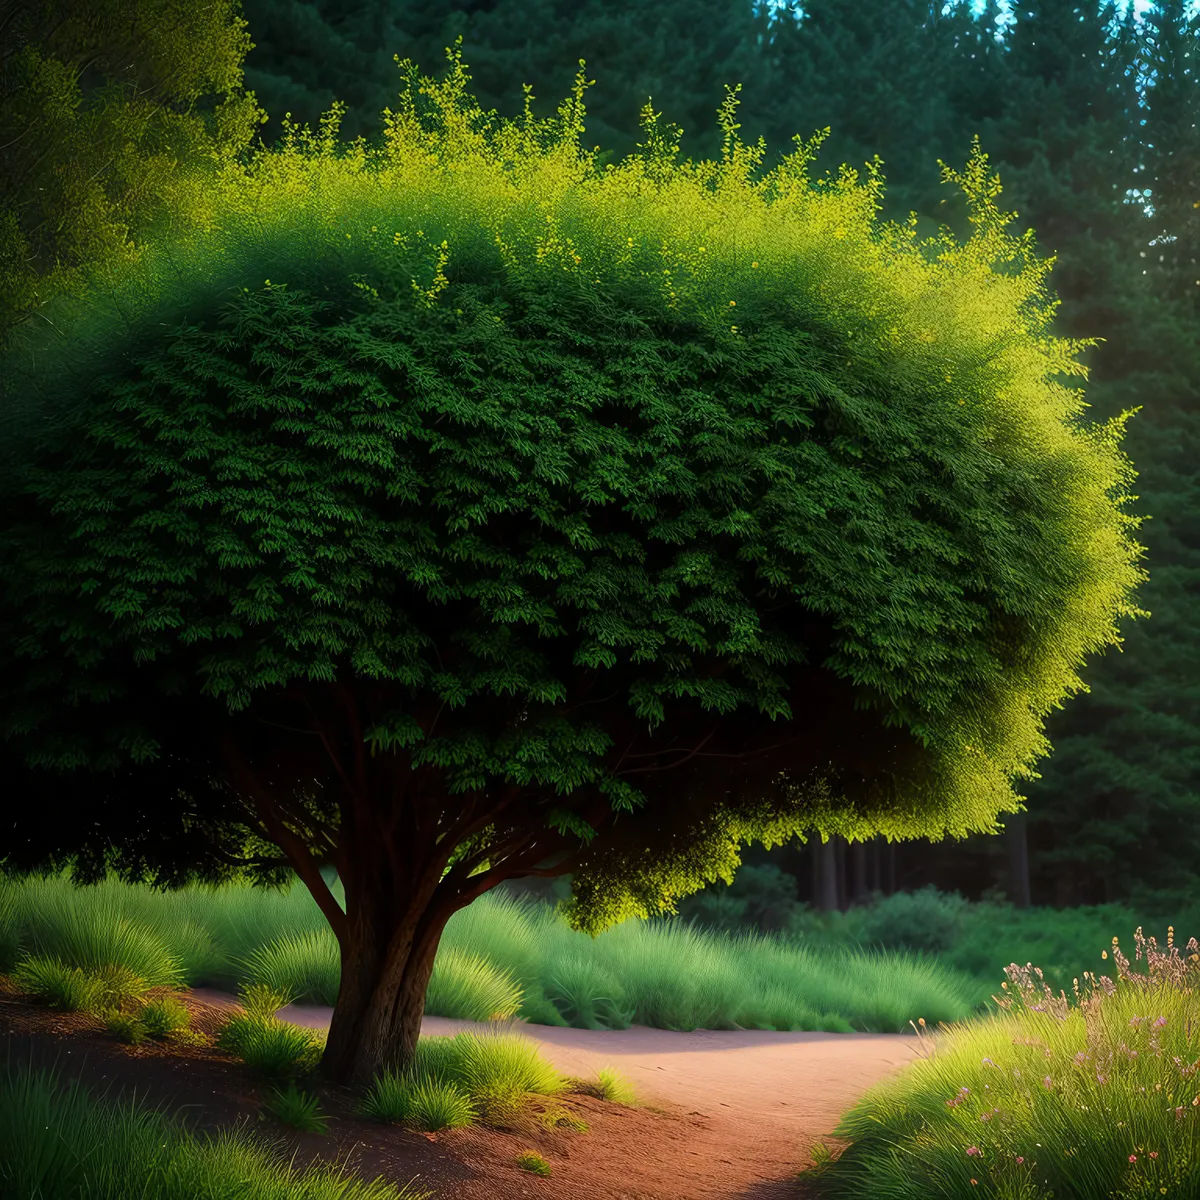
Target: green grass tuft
[[296, 1108], [163, 1016], [269, 1047], [534, 1163], [51, 982], [615, 1088]]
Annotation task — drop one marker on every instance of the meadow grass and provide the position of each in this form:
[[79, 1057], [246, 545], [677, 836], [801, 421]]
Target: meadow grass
[[501, 957], [1047, 1096], [58, 1139]]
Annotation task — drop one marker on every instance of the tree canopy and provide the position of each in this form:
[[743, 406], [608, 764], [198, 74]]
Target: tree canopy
[[454, 511]]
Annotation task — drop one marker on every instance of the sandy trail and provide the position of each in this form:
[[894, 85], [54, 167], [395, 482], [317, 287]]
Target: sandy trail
[[756, 1099]]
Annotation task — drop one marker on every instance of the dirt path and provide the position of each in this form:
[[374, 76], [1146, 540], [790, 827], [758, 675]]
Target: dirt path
[[741, 1108]]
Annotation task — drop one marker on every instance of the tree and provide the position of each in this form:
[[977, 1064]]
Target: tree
[[680, 52], [462, 513], [108, 114]]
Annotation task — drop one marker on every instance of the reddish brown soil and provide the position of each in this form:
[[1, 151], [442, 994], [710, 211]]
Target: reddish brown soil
[[727, 1116]]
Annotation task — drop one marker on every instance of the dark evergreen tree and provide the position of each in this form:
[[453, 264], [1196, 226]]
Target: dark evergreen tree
[[109, 109], [679, 52], [1171, 137]]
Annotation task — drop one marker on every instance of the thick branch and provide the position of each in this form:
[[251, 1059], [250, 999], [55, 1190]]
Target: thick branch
[[293, 846]]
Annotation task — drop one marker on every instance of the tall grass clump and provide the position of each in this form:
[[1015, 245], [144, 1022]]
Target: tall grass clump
[[10, 930], [307, 965], [90, 928], [57, 1140], [1047, 1097], [452, 1080], [470, 988], [268, 1046]]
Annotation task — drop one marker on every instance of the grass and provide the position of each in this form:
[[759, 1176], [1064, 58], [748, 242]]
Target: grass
[[453, 1081], [615, 1088], [1040, 1098], [299, 1109], [533, 1162], [500, 957], [271, 1048], [1099, 1096], [58, 1139]]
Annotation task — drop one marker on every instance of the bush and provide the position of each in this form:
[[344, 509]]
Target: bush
[[10, 929], [117, 985], [927, 920], [615, 1088], [761, 897], [88, 929]]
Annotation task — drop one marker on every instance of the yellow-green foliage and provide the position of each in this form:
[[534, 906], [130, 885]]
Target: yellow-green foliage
[[911, 472], [85, 175]]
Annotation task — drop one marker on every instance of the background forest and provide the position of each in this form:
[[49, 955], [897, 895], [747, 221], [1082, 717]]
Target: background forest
[[114, 109]]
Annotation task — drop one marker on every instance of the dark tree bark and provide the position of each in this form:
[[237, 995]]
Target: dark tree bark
[[858, 881], [1018, 859], [825, 861]]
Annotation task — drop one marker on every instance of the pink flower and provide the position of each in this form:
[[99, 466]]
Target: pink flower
[[1133, 1158], [1020, 1160], [1153, 1153], [972, 1151], [1047, 1082]]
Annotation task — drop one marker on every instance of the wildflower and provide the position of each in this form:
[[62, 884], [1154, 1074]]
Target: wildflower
[[1153, 1153], [1133, 1158], [1020, 1160], [1159, 1022], [1047, 1082], [972, 1151]]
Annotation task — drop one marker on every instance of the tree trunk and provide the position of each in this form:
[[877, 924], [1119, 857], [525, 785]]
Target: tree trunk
[[825, 856], [1018, 860], [385, 973], [858, 881], [840, 858]]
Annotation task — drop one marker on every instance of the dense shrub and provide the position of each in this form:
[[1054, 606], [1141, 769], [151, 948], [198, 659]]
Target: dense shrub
[[927, 920]]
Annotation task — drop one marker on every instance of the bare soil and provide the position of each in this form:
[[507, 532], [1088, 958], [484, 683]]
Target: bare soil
[[724, 1115]]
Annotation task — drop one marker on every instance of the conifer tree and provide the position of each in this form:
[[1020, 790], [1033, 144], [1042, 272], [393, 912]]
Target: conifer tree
[[111, 124]]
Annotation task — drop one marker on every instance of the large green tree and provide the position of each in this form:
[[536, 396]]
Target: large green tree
[[460, 512]]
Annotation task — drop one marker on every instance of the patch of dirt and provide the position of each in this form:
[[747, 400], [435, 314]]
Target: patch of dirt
[[696, 1144]]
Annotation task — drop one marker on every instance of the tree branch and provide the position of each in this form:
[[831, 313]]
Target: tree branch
[[293, 846], [690, 754]]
